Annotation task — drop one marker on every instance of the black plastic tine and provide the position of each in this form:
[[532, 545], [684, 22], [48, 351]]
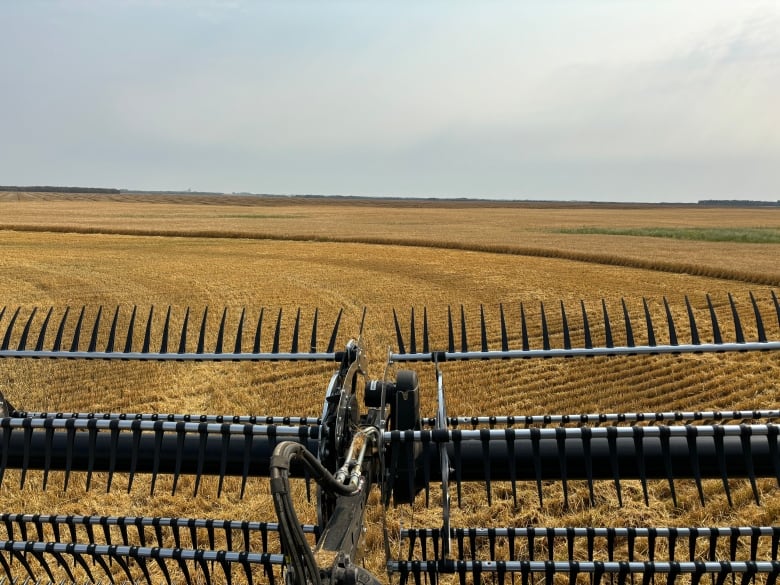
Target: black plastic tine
[[747, 456], [716, 336], [95, 330], [121, 562], [165, 331], [613, 461], [535, 446], [248, 435], [759, 321], [485, 437], [9, 330], [223, 462], [136, 447], [586, 326], [721, 454], [180, 434], [114, 426], [25, 563], [450, 331], [426, 346], [510, 446], [504, 337], [691, 433], [313, 342], [112, 332], [398, 336], [565, 326], [158, 438], [629, 329], [239, 331], [648, 324], [483, 328], [221, 332], [42, 335], [586, 436], [74, 346], [203, 433], [277, 332], [523, 328], [670, 323], [26, 331], [2, 312], [639, 432], [412, 334], [183, 337], [737, 324], [545, 332], [334, 335], [202, 336], [560, 437], [92, 426], [258, 331], [777, 307], [607, 328], [70, 443], [130, 331], [163, 569], [692, 321], [148, 332], [464, 344], [26, 453], [48, 446], [141, 562], [64, 564], [667, 456], [6, 443]]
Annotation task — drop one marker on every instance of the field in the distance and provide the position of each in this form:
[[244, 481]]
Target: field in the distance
[[290, 253]]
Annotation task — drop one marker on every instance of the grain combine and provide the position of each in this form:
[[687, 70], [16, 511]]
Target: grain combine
[[372, 435]]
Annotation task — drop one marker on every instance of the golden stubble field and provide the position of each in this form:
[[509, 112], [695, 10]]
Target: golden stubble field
[[186, 264]]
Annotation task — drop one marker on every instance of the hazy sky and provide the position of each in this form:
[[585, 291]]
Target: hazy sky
[[662, 100]]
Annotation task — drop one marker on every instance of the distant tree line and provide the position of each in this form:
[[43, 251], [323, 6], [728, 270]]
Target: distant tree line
[[739, 203], [49, 189]]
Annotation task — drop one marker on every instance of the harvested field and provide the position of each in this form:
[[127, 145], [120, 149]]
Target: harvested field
[[71, 251]]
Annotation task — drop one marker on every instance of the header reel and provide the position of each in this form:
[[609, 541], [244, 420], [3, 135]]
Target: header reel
[[382, 438]]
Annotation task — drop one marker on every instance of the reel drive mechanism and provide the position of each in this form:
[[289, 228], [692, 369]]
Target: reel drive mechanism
[[380, 438]]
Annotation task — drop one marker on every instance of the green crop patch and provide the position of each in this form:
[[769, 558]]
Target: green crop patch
[[737, 235]]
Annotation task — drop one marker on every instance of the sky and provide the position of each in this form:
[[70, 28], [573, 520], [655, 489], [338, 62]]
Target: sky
[[602, 100]]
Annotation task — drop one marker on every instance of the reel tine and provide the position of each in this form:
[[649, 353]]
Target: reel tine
[[536, 456], [223, 463], [607, 327], [560, 437], [565, 325], [130, 328], [412, 335], [670, 324], [26, 331], [240, 331], [114, 427], [42, 335], [74, 346], [692, 322], [667, 457], [398, 336], [258, 331], [483, 328], [332, 343], [277, 332], [586, 326], [248, 436], [202, 336], [648, 324], [450, 331], [464, 345], [165, 331], [313, 342], [545, 332], [504, 338], [748, 458], [183, 336], [737, 324], [296, 328], [721, 453], [60, 330], [716, 336], [9, 330], [112, 332], [777, 307], [613, 462], [158, 437], [640, 460], [691, 432], [629, 329], [95, 329], [221, 332], [148, 332], [426, 344], [524, 328], [179, 456], [759, 322]]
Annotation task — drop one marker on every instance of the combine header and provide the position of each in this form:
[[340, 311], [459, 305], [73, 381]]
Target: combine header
[[372, 434]]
